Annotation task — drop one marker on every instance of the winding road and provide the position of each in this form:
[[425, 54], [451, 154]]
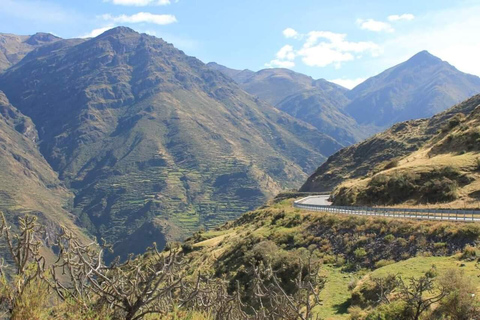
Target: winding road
[[321, 203]]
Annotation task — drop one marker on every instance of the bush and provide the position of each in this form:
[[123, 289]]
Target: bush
[[460, 302], [392, 164], [360, 253], [389, 238], [383, 263], [469, 253], [439, 190], [456, 120], [187, 247]]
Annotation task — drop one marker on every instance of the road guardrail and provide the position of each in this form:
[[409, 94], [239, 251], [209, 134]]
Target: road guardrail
[[420, 214]]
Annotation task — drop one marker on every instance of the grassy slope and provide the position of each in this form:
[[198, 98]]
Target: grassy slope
[[335, 237], [372, 155], [455, 146]]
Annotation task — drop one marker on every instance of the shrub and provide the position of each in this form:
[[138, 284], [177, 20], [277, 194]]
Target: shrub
[[389, 238], [187, 247], [469, 253], [440, 189], [460, 302], [383, 263], [456, 120], [392, 164], [360, 253]]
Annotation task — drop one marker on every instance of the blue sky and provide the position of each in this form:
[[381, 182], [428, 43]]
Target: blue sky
[[344, 41]]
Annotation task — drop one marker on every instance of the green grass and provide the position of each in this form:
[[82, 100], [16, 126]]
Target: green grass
[[335, 294]]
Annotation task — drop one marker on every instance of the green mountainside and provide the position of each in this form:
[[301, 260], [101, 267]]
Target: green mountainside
[[140, 131]]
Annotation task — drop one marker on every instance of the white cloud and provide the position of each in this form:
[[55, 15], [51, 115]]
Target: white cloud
[[290, 33], [280, 64], [96, 32], [142, 17], [323, 48], [405, 16], [348, 83], [316, 52], [374, 25], [139, 3], [286, 53], [285, 58]]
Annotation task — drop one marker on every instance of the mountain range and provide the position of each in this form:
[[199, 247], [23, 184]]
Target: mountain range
[[144, 143], [417, 88], [139, 131]]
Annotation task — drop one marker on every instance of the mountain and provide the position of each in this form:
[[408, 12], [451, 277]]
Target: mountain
[[317, 102], [28, 184], [238, 75], [432, 160], [13, 47], [418, 88], [140, 132], [274, 85]]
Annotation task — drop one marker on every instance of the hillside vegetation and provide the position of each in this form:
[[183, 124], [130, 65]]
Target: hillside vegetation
[[385, 150], [272, 263], [444, 171], [353, 251]]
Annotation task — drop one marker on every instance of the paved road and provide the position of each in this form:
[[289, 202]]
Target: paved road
[[316, 200], [321, 203]]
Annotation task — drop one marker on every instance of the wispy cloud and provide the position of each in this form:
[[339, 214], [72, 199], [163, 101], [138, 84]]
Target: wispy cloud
[[374, 25], [405, 16], [36, 11], [96, 32], [139, 3], [280, 64], [141, 17]]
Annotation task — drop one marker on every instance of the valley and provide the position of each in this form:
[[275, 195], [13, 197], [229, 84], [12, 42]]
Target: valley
[[139, 182]]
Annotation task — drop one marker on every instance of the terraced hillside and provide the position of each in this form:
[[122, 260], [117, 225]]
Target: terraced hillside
[[142, 132]]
